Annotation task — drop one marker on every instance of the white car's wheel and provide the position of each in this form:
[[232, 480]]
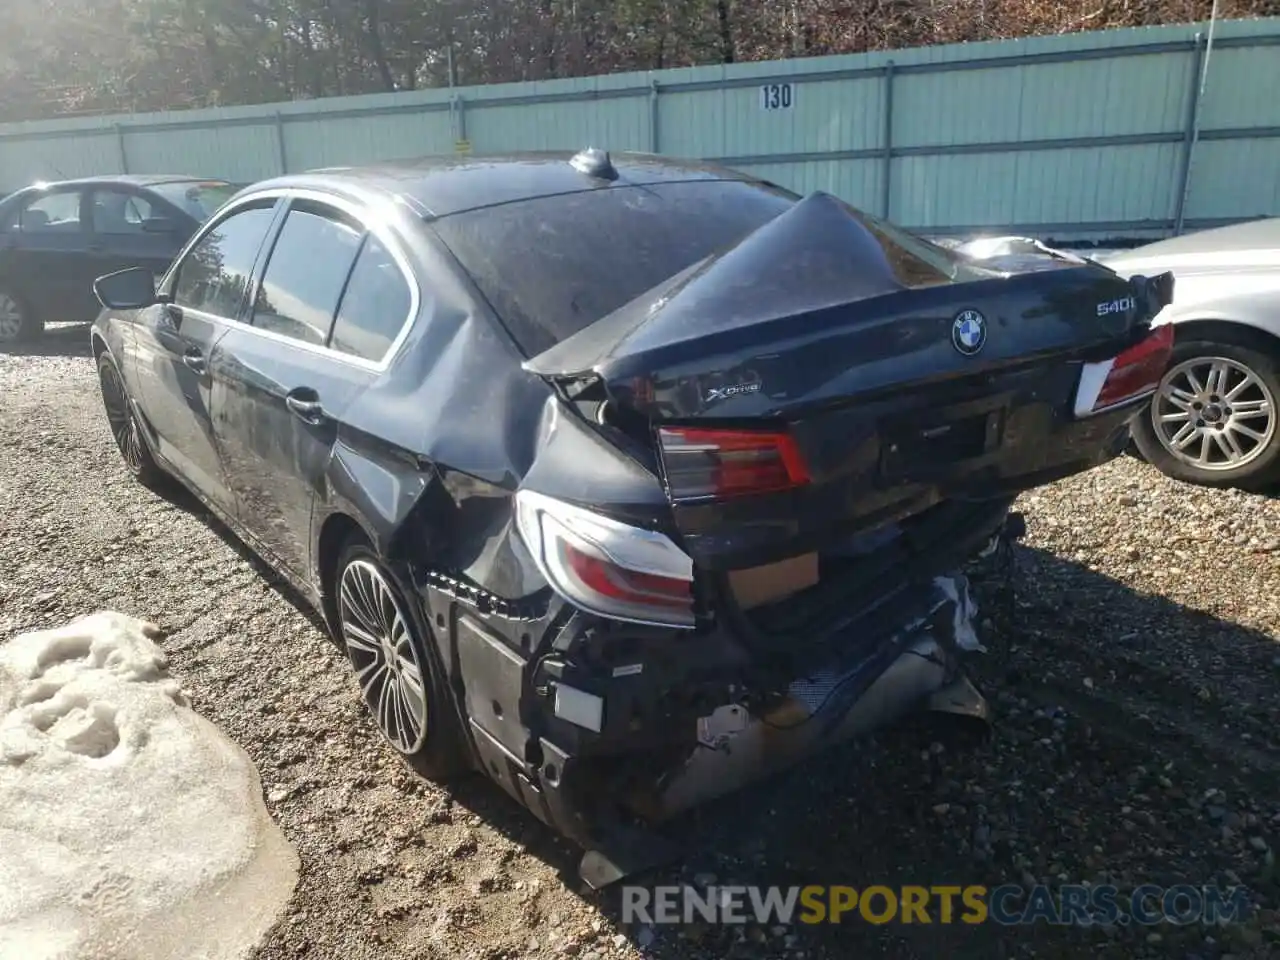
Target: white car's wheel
[[1213, 420]]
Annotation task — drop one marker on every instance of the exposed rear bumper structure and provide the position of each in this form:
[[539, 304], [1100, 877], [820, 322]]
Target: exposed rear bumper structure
[[604, 753], [818, 714]]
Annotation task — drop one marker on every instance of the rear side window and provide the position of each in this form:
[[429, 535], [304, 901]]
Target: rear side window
[[308, 268], [554, 265], [118, 212], [214, 275], [375, 306]]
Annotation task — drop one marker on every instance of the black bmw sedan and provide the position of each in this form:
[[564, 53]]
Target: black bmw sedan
[[620, 479], [56, 238]]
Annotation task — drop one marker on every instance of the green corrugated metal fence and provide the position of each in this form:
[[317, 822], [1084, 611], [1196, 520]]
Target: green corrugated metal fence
[[1089, 134]]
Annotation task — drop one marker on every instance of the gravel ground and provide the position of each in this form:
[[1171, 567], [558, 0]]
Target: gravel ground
[[1134, 680]]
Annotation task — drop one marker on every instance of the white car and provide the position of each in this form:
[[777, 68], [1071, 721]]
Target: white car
[[1213, 420]]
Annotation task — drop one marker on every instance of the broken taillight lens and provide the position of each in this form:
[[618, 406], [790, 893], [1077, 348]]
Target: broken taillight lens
[[703, 463], [605, 566], [622, 587], [1130, 376]]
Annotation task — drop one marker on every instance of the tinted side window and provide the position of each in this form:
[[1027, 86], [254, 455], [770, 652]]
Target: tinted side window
[[116, 212], [215, 274], [305, 275], [375, 307], [200, 198], [50, 213]]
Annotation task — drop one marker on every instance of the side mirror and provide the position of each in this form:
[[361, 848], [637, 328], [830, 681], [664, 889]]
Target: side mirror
[[130, 289], [160, 225]]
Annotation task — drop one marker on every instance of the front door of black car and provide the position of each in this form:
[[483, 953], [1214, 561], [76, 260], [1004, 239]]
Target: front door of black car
[[324, 315], [176, 344], [118, 238], [46, 256]]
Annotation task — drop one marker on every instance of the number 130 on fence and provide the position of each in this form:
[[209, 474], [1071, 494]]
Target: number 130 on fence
[[776, 96]]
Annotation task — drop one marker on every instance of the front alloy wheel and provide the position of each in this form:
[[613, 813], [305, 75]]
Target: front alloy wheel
[[124, 425], [1213, 419]]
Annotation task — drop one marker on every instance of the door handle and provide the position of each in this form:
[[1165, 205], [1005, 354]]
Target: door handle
[[195, 360], [305, 405]]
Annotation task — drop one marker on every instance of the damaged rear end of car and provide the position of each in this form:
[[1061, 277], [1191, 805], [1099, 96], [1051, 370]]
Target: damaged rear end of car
[[753, 495]]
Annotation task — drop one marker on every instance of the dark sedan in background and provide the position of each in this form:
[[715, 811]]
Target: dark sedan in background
[[57, 238], [623, 482]]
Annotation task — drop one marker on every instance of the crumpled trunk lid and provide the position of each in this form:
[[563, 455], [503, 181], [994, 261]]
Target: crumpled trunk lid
[[820, 304], [904, 373]]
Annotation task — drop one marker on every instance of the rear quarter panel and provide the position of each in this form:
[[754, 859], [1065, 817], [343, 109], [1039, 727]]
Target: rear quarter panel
[[1251, 298], [437, 445]]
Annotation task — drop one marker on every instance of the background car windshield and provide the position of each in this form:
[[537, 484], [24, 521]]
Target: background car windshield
[[554, 265], [200, 198]]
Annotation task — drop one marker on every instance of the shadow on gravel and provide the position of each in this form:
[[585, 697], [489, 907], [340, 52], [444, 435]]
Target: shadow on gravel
[[58, 340], [1135, 741], [1163, 768], [1272, 492], [476, 794], [179, 496]]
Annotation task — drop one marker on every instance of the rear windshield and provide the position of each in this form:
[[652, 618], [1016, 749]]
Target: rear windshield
[[553, 265], [200, 198]]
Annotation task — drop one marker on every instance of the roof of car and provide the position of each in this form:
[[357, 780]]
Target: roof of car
[[1249, 236], [440, 186], [129, 179]]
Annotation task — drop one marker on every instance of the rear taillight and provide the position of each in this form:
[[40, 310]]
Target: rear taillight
[[622, 586], [607, 567], [1131, 376], [703, 463]]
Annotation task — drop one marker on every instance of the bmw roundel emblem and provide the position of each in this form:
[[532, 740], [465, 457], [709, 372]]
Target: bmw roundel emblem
[[969, 332]]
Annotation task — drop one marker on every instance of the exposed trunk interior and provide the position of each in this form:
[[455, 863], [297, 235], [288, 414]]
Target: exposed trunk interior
[[819, 595]]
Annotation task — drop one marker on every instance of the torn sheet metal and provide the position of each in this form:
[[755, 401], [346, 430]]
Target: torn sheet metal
[[736, 748], [956, 589]]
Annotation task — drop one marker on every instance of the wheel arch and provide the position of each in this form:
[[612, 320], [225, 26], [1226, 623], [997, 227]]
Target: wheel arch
[[335, 531], [16, 288], [1243, 332]]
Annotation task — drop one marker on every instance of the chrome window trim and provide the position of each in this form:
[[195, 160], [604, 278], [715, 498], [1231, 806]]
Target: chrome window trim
[[357, 212]]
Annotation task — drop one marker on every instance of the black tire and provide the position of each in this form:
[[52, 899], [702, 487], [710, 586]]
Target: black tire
[[18, 322], [439, 751], [1261, 465], [125, 429]]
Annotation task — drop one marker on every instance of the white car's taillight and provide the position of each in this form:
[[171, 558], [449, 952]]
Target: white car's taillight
[[606, 567], [1132, 375]]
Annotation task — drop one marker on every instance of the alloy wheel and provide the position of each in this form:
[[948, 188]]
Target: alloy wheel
[[1214, 413], [10, 318], [376, 632], [124, 428]]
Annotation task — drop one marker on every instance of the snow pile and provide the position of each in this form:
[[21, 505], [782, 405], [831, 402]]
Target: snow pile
[[130, 827]]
